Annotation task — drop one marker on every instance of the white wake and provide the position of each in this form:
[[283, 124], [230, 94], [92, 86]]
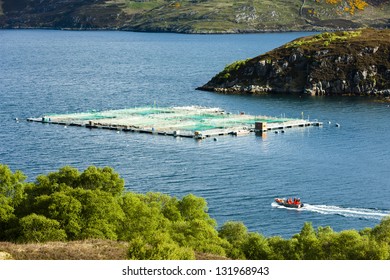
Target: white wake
[[362, 213]]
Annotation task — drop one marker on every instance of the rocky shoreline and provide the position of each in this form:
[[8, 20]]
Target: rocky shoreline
[[339, 63]]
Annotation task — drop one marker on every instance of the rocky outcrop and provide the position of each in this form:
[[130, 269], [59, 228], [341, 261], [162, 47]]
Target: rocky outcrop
[[339, 63]]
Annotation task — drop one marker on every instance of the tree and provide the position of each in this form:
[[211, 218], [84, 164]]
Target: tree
[[140, 219], [381, 232], [38, 228], [347, 245], [201, 236], [6, 211], [66, 175], [158, 247], [11, 195], [105, 179], [235, 233], [65, 209], [282, 249], [192, 207], [169, 206], [100, 214], [308, 245], [11, 186], [256, 247]]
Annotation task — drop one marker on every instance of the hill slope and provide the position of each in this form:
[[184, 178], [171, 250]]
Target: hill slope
[[195, 16], [347, 62]]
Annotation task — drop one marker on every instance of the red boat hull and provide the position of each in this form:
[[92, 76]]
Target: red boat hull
[[284, 202]]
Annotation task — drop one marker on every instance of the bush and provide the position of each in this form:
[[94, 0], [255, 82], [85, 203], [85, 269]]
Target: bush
[[38, 228], [159, 247]]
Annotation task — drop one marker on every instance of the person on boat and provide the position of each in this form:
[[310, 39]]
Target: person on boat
[[289, 201]]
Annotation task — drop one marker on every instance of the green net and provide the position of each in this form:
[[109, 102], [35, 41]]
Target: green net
[[170, 118]]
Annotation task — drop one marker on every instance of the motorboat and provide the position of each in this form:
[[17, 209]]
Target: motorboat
[[290, 202]]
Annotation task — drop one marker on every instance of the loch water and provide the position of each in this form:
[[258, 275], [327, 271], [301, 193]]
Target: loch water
[[341, 173]]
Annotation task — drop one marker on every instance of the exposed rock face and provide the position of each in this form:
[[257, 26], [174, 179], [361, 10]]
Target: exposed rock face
[[340, 63]]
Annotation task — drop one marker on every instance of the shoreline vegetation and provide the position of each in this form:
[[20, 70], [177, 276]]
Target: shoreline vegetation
[[196, 16], [351, 63], [68, 214]]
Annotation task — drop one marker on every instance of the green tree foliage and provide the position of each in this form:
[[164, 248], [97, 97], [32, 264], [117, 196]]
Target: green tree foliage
[[158, 247], [307, 243], [140, 218], [11, 195], [72, 205], [38, 228], [11, 186], [282, 249], [192, 207], [67, 177], [381, 232], [256, 247], [93, 178], [235, 233], [105, 179], [197, 229], [325, 244], [66, 209], [100, 214]]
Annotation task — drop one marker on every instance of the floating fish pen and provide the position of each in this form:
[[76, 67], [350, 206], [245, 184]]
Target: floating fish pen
[[190, 121]]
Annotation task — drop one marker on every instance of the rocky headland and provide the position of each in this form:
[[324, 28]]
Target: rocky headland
[[338, 63]]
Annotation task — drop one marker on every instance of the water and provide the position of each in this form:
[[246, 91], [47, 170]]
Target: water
[[341, 173]]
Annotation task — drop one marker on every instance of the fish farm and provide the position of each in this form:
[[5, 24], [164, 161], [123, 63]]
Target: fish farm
[[188, 121]]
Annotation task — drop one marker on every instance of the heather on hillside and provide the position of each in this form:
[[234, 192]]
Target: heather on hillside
[[195, 16]]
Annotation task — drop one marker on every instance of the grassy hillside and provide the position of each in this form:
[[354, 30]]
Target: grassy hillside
[[197, 16], [256, 15]]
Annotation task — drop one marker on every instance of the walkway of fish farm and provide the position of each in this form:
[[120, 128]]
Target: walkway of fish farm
[[192, 121]]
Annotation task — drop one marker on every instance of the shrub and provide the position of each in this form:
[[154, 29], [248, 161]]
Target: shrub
[[38, 228], [158, 247]]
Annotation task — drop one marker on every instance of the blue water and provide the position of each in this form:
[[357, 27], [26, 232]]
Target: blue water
[[341, 173]]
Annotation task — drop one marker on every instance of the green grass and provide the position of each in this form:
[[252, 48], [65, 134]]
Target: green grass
[[221, 16], [217, 15], [232, 16], [233, 67], [326, 38], [134, 5]]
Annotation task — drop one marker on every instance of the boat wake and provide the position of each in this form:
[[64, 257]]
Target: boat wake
[[360, 213]]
